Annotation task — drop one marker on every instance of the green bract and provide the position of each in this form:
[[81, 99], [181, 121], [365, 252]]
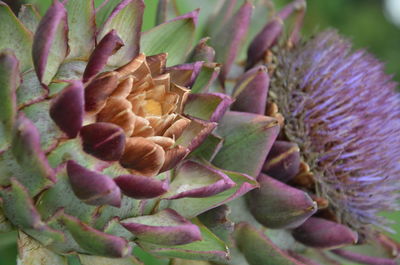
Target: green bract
[[103, 147], [334, 167]]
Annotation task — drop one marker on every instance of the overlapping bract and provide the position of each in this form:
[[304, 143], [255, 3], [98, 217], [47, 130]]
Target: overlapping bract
[[334, 126], [104, 150], [105, 115]]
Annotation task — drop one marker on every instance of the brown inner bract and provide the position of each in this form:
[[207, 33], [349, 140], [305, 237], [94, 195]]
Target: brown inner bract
[[147, 106]]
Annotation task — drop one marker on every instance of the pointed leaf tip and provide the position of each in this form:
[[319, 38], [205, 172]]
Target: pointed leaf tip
[[37, 173], [228, 40], [108, 45], [283, 161], [277, 205], [173, 156], [191, 207], [251, 91], [196, 133], [363, 259], [50, 44], [184, 74], [208, 106], [264, 40], [195, 180], [202, 52], [18, 205], [92, 187], [209, 248], [95, 241], [174, 37], [141, 187], [126, 19], [246, 135], [67, 109], [271, 32], [321, 233], [193, 15], [166, 227], [103, 140], [98, 91], [258, 248], [9, 80]]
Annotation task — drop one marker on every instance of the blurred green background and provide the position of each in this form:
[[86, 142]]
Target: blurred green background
[[365, 22]]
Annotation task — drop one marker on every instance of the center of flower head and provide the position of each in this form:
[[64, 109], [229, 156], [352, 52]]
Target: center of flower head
[[153, 107], [141, 99]]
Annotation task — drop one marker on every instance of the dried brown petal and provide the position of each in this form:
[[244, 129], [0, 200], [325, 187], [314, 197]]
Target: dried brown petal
[[136, 65], [160, 124], [162, 141], [142, 156], [157, 63], [137, 102], [177, 128], [183, 93], [144, 83], [97, 92], [174, 156], [118, 111], [124, 88], [142, 128], [163, 80]]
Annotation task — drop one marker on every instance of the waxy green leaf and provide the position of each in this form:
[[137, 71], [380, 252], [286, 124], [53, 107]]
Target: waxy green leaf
[[19, 207], [209, 148], [15, 36], [258, 249], [174, 37], [31, 250], [191, 207], [95, 241], [209, 248], [166, 227], [126, 19], [51, 201], [30, 17], [81, 25], [208, 73], [25, 160], [248, 139], [50, 44]]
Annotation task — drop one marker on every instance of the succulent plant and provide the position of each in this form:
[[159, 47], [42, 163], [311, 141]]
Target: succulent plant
[[334, 168], [117, 143], [104, 153]]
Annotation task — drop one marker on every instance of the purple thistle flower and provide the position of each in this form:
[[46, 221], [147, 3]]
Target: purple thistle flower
[[343, 112]]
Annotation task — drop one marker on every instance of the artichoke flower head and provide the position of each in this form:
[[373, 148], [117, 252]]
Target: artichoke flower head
[[145, 109], [109, 136]]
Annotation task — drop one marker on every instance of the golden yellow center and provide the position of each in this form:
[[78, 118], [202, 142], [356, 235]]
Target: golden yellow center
[[153, 107]]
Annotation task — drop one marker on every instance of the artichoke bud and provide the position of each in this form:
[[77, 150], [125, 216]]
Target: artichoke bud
[[283, 161], [277, 205], [321, 233]]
